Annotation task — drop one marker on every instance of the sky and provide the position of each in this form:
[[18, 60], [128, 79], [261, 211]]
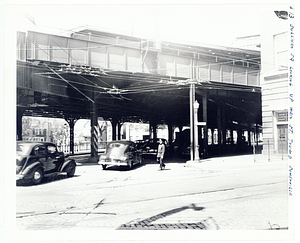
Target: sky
[[213, 24]]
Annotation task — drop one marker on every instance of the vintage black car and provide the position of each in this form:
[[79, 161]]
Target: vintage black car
[[36, 160], [151, 145], [121, 153]]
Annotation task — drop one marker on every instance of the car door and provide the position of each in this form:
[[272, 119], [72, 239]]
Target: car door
[[54, 159], [39, 154], [129, 152], [134, 153]]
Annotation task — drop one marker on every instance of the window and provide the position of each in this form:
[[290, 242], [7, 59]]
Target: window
[[282, 116], [215, 72], [227, 72], [239, 75], [78, 52], [133, 60], [166, 65], [98, 55], [215, 136], [116, 58], [42, 47], [252, 78], [281, 50], [21, 40], [51, 149], [59, 49], [209, 136], [183, 67], [40, 150], [203, 70]]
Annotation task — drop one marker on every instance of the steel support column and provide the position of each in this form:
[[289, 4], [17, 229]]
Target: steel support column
[[114, 123], [204, 105], [71, 122], [153, 128], [20, 112], [224, 128], [219, 124], [249, 135], [170, 133], [94, 133], [119, 125], [196, 138], [192, 120]]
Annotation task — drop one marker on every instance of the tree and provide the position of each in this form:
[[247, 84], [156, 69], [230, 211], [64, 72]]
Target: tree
[[26, 126]]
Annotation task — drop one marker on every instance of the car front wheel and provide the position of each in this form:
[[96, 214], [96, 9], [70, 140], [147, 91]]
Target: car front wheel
[[37, 176], [104, 167]]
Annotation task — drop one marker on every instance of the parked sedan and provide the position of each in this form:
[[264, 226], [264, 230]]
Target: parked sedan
[[140, 143], [151, 145], [36, 160], [121, 153]]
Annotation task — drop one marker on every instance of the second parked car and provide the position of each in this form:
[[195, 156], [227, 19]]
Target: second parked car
[[121, 153]]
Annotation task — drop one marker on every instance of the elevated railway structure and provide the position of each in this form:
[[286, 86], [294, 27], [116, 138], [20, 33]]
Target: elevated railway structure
[[91, 74]]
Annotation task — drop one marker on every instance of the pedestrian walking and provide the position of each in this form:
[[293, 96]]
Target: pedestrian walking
[[160, 154]]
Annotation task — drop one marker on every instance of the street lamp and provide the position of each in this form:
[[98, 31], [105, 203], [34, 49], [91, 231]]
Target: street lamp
[[194, 106], [65, 136]]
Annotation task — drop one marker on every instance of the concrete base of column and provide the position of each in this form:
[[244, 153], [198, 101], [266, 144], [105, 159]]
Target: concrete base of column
[[93, 159], [193, 161]]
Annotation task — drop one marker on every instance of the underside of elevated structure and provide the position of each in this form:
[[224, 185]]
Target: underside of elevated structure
[[49, 88]]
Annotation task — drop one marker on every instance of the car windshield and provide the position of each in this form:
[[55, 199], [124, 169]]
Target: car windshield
[[117, 146], [23, 149]]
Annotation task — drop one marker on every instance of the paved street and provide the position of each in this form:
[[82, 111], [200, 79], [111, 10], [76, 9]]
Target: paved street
[[231, 193]]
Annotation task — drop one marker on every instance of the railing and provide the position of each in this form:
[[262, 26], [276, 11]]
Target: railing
[[81, 148], [273, 150]]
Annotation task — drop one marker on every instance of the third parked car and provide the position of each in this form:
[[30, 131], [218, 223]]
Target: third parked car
[[151, 145]]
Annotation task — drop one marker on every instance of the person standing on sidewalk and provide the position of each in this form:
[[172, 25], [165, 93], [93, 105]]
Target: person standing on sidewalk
[[160, 154]]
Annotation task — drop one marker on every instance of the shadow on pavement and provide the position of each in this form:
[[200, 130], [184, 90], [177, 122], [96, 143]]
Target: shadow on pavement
[[151, 159], [123, 168], [46, 180], [147, 224]]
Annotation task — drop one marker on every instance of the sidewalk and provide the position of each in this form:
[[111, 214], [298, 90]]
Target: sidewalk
[[151, 159], [237, 159]]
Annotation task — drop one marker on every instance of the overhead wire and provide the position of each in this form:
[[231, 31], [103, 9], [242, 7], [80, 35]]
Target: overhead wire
[[70, 56], [156, 86], [152, 88]]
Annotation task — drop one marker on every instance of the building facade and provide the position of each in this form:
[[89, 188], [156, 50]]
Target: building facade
[[274, 83]]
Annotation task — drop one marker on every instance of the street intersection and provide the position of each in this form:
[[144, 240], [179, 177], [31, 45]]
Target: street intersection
[[228, 193]]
